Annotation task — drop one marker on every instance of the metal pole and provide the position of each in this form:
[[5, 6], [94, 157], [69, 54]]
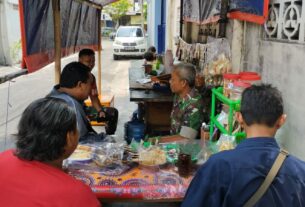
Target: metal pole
[[57, 38], [99, 56]]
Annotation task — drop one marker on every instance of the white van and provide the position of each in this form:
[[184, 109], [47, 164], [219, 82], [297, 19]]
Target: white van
[[129, 41]]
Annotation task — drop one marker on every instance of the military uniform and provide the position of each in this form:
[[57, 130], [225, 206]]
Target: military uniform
[[187, 112]]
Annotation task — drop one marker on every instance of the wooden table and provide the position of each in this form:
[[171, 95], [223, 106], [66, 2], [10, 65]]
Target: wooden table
[[134, 75], [136, 184], [128, 181], [157, 105]]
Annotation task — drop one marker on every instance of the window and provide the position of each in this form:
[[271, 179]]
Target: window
[[130, 32], [285, 21]]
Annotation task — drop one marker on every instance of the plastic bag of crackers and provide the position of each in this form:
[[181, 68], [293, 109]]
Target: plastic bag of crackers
[[226, 142], [215, 69]]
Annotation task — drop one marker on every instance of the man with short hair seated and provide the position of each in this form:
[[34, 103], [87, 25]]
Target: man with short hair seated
[[31, 174], [74, 87], [107, 114], [186, 116]]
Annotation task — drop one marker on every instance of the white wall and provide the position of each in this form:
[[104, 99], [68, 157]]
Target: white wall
[[282, 65], [3, 36], [151, 21], [172, 23], [9, 29]]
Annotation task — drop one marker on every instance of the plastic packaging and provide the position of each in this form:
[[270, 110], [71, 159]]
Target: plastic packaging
[[109, 153], [228, 79], [134, 182], [223, 118], [226, 142], [237, 89], [152, 156]]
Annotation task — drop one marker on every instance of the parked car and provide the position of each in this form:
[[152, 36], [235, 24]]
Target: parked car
[[129, 41]]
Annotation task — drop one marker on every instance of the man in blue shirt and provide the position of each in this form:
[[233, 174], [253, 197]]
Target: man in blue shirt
[[74, 87], [230, 178]]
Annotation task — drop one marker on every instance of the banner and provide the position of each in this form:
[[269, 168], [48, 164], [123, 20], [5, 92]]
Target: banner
[[255, 11], [207, 11]]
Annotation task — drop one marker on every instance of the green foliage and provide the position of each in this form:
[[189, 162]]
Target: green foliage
[[15, 51], [118, 9], [145, 10]]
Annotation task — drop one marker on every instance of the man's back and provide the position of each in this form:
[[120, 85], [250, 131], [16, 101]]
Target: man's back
[[32, 183], [230, 178], [83, 124]]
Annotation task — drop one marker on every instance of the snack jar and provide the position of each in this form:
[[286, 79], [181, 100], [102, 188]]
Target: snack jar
[[228, 79], [248, 73], [251, 78], [237, 89]]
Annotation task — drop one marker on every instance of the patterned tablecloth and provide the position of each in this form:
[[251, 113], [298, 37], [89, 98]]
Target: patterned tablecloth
[[132, 181]]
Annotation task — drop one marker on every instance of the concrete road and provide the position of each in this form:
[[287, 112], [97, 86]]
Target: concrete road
[[16, 95]]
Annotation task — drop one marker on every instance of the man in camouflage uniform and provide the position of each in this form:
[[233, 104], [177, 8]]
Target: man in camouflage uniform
[[186, 116]]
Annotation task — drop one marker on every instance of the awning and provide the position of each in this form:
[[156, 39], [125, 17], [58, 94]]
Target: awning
[[255, 11], [79, 23], [79, 29]]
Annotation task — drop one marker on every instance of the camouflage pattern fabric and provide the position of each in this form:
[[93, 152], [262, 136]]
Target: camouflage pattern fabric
[[187, 111]]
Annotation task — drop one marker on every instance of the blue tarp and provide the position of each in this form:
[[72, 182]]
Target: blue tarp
[[79, 29], [255, 7], [249, 10]]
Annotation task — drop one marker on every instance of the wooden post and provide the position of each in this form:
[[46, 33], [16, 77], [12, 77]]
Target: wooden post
[[237, 42], [142, 15], [181, 19], [57, 38], [99, 61], [223, 18]]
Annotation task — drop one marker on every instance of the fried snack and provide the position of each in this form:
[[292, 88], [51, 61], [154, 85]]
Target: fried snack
[[102, 160], [82, 152], [80, 155], [152, 157], [226, 145], [84, 148]]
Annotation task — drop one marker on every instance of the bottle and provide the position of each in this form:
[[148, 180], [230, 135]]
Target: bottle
[[158, 64], [204, 132]]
